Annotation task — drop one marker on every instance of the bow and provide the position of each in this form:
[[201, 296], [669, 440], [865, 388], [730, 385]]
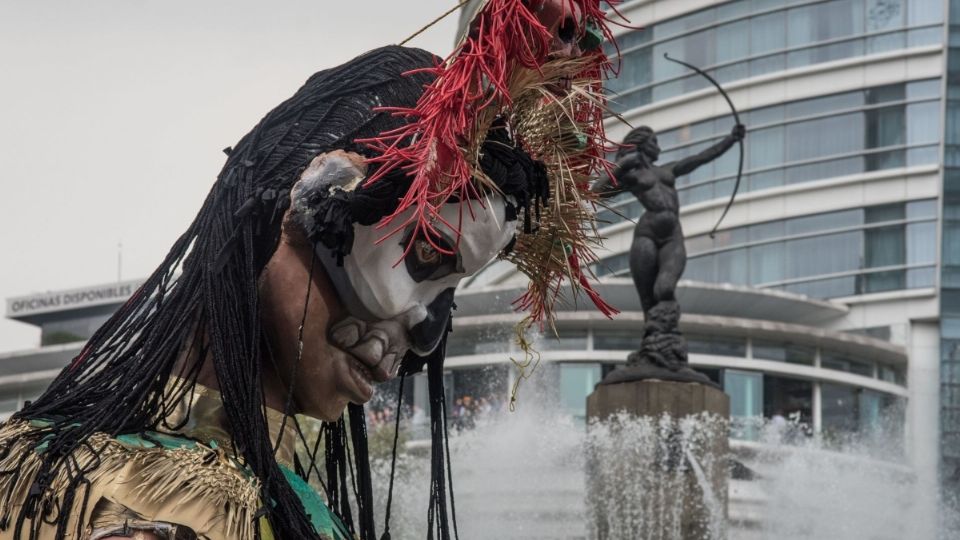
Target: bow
[[736, 118]]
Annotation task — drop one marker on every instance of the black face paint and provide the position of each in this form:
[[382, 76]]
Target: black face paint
[[509, 247], [424, 261], [425, 335]]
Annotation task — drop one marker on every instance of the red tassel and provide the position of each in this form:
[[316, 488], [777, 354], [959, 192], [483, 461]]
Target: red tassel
[[578, 274], [507, 36]]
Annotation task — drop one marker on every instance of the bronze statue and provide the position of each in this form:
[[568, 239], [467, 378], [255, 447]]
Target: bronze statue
[[657, 255]]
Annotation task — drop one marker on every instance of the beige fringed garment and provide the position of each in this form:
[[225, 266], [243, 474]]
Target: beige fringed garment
[[174, 492]]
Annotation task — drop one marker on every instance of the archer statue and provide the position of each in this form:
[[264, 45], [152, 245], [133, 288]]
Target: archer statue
[[657, 255]]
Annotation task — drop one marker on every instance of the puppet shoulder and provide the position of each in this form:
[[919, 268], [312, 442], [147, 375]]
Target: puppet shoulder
[[177, 488]]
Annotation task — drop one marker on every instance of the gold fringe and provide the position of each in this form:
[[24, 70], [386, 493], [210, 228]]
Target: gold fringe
[[199, 487]]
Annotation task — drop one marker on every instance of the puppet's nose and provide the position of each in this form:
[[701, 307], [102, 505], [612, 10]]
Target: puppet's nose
[[426, 335]]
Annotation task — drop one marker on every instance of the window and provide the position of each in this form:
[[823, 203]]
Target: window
[[884, 213], [768, 33], [825, 288], [839, 410], [617, 340], [824, 222], [783, 352], [612, 265], [565, 340], [824, 21], [891, 374], [884, 14], [880, 248], [922, 209], [70, 331], [924, 12], [838, 134], [766, 148], [824, 254], [700, 269], [885, 246], [747, 38], [767, 263], [923, 122], [732, 267], [921, 239], [850, 413], [885, 127], [839, 362], [576, 383], [791, 399], [474, 388], [745, 389], [716, 345], [883, 94], [733, 42], [471, 341]]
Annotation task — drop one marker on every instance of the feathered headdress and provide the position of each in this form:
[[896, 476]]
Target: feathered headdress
[[503, 73]]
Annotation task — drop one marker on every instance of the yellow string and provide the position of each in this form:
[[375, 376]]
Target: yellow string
[[435, 21], [531, 357]]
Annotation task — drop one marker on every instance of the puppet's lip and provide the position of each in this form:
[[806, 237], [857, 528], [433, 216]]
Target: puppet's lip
[[369, 345], [362, 376], [376, 373]]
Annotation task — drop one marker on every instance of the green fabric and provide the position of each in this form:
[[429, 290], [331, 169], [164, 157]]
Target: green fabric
[[169, 442], [326, 523]]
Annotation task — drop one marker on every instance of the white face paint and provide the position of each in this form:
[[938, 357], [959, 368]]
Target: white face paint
[[402, 302], [381, 275]]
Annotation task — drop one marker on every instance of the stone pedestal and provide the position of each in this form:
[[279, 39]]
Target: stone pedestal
[[657, 460]]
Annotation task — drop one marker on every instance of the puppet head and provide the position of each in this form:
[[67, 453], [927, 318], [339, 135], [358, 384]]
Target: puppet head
[[498, 152]]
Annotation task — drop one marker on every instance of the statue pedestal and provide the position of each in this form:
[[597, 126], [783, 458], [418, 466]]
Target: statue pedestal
[[658, 460]]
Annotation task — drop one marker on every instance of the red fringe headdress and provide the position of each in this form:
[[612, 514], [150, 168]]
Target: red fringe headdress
[[502, 68]]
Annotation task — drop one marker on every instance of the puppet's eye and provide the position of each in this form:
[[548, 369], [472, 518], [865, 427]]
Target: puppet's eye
[[430, 259], [426, 254]]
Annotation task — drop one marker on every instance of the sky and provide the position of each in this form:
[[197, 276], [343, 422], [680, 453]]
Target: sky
[[114, 114]]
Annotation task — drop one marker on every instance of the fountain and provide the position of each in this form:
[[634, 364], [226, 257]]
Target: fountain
[[655, 478], [524, 476]]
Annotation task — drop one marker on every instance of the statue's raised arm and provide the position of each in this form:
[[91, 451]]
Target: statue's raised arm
[[689, 164]]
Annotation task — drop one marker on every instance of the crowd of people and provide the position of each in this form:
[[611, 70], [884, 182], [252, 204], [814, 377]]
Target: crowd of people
[[467, 411]]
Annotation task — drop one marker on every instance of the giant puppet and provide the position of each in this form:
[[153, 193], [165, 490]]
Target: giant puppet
[[322, 262]]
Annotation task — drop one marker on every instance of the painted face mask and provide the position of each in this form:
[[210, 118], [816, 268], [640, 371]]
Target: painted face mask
[[399, 288]]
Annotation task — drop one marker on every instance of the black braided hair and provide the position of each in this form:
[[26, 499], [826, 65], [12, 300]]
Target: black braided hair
[[116, 384]]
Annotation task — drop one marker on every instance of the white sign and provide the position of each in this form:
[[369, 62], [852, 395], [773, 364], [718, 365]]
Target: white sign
[[48, 302]]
